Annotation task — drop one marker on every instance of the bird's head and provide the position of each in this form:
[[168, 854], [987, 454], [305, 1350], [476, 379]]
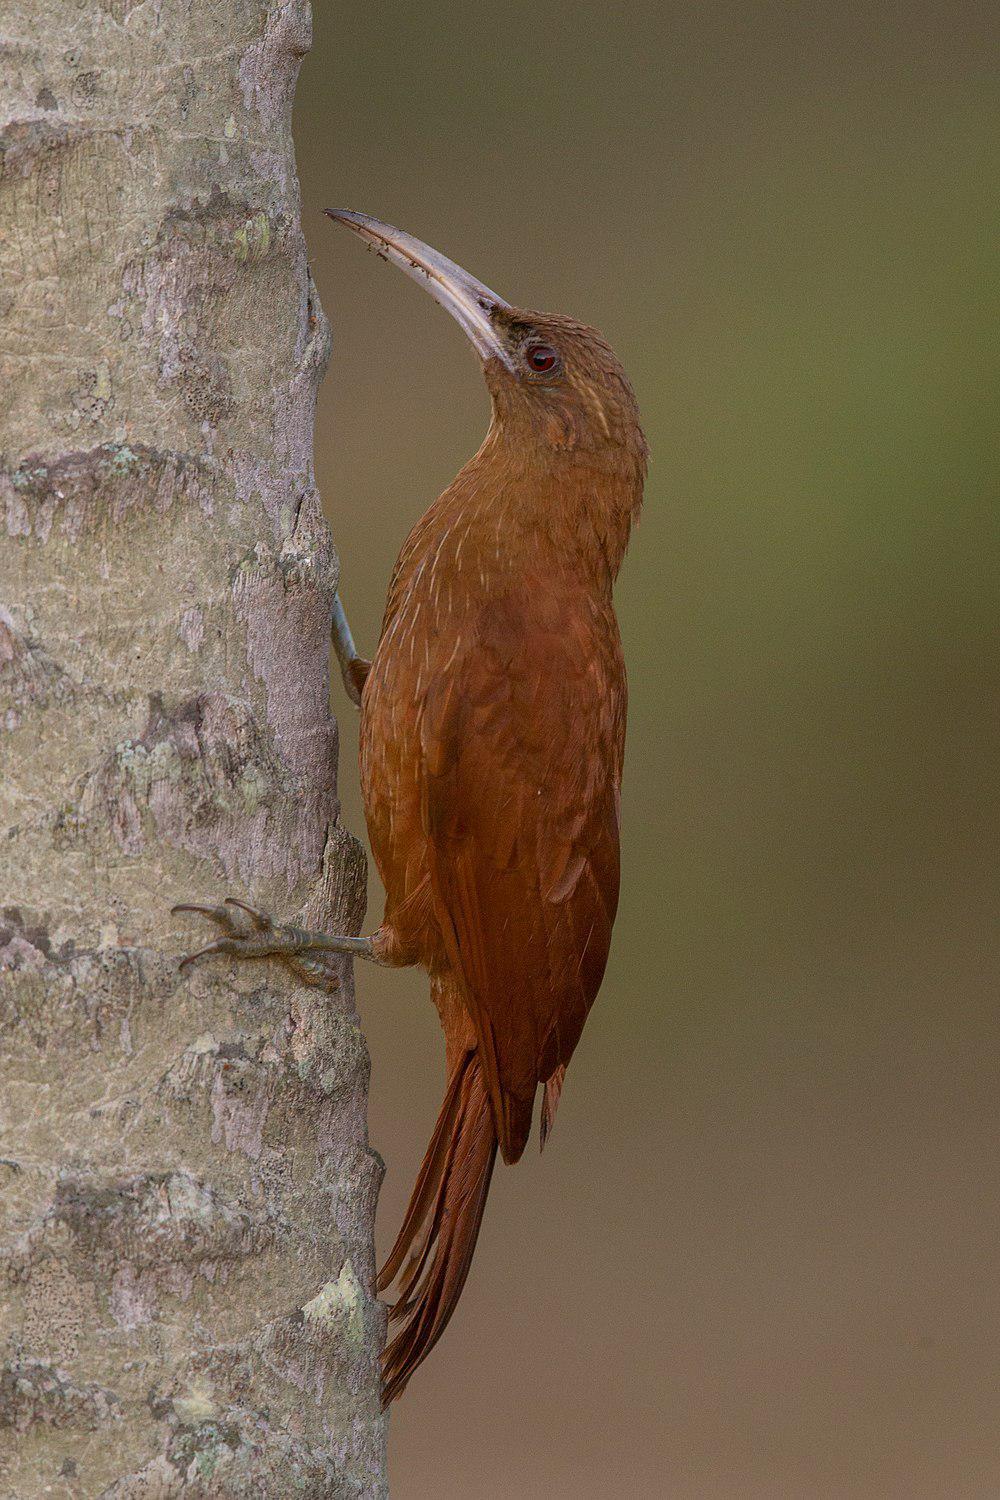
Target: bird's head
[[553, 381]]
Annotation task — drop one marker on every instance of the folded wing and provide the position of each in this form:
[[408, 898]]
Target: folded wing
[[522, 747]]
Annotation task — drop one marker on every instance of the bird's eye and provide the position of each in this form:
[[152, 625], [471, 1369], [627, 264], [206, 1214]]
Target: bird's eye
[[542, 358]]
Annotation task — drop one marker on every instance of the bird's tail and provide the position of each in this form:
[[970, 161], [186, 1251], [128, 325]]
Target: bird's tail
[[441, 1226]]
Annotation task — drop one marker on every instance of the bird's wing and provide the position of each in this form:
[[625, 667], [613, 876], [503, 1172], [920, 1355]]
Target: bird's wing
[[522, 744]]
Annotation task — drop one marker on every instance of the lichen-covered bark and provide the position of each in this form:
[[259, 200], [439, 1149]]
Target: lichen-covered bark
[[186, 1188]]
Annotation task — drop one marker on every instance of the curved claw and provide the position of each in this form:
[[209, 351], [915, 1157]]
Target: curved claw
[[260, 919], [214, 913], [221, 945], [234, 937], [355, 675]]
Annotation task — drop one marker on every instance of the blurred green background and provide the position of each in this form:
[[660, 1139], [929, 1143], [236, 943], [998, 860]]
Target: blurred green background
[[761, 1256]]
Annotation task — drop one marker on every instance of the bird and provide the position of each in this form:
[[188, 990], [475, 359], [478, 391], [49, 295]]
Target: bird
[[492, 736]]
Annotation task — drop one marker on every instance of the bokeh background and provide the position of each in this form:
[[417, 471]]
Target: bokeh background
[[761, 1256]]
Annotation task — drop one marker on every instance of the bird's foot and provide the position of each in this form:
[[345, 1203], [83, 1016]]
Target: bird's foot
[[353, 668], [247, 932]]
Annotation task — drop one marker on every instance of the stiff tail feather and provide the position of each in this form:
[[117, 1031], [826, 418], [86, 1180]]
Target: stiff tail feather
[[550, 1103], [441, 1226]]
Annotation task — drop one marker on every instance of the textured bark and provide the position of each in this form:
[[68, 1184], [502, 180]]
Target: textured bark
[[186, 1190]]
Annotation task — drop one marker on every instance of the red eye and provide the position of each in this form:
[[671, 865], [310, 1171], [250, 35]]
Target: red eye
[[542, 357]]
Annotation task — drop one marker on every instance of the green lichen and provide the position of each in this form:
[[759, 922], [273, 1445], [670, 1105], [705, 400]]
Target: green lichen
[[131, 757], [25, 478], [339, 1304], [252, 786], [206, 1445], [197, 1406], [164, 762], [146, 766], [253, 239], [124, 458]]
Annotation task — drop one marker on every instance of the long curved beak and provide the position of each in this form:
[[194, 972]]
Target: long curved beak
[[468, 300]]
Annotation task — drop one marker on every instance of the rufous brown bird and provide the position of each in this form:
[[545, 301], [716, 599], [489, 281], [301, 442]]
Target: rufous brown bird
[[492, 734]]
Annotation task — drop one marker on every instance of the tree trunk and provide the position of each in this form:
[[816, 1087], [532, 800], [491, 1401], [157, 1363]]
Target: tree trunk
[[186, 1191]]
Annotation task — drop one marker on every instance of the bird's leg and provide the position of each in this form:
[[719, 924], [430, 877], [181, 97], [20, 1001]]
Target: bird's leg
[[250, 933], [353, 668]]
